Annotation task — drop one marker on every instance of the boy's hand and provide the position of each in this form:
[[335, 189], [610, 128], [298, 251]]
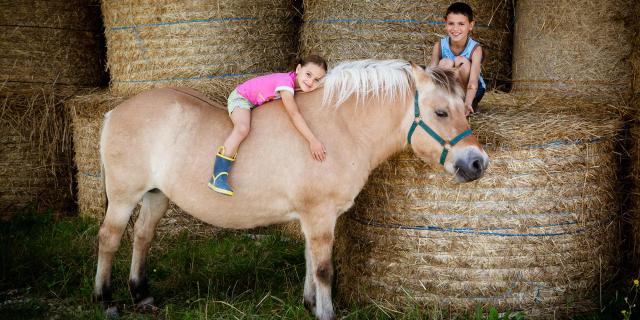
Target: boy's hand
[[318, 151], [468, 109]]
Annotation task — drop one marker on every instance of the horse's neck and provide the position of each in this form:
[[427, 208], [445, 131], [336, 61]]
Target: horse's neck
[[375, 127]]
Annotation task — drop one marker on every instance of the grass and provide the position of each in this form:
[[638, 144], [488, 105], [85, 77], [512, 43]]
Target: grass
[[47, 267]]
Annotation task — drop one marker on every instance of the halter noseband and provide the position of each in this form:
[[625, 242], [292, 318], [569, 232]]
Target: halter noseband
[[417, 121]]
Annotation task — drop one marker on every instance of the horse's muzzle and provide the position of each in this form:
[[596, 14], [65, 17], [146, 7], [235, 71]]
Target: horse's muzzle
[[471, 166]]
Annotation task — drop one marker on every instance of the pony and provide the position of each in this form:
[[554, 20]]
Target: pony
[[157, 147]]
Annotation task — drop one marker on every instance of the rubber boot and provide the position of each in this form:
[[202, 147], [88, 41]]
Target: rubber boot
[[221, 167]]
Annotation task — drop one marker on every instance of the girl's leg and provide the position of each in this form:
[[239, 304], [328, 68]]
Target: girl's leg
[[241, 119], [226, 155]]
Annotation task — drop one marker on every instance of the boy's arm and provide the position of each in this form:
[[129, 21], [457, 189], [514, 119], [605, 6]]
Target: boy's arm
[[318, 150], [435, 55], [474, 76]]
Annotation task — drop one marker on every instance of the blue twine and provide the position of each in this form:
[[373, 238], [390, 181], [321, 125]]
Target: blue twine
[[91, 174], [160, 24], [209, 77], [475, 232], [372, 21]]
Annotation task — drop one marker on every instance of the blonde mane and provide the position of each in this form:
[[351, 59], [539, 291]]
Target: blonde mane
[[388, 79]]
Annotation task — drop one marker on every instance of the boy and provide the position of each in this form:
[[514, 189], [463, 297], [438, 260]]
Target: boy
[[459, 50]]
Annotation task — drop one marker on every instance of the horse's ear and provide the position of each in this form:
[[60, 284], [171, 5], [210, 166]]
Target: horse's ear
[[418, 73]]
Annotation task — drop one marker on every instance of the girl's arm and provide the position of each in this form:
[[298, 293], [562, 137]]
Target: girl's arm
[[435, 55], [318, 150], [474, 76]]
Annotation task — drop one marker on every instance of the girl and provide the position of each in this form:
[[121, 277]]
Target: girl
[[256, 92]]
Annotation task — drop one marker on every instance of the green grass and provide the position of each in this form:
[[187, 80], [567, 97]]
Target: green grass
[[47, 267]]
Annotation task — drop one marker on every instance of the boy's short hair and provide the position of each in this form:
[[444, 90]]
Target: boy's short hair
[[460, 8]]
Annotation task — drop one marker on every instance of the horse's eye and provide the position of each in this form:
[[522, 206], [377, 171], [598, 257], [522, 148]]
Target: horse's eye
[[441, 113]]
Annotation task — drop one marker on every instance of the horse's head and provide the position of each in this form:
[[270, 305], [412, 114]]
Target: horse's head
[[439, 131]]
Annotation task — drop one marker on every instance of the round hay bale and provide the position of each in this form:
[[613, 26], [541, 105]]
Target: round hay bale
[[87, 113], [35, 167], [538, 233], [210, 46], [50, 50], [351, 30], [573, 49], [51, 42]]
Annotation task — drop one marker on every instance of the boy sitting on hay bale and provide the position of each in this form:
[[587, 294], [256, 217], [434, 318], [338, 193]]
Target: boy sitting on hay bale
[[458, 50]]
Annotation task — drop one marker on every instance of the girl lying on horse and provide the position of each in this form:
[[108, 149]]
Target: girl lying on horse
[[256, 92]]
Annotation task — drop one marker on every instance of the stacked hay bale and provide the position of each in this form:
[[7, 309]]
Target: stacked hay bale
[[538, 233], [634, 144], [210, 46], [573, 49], [50, 50], [351, 30]]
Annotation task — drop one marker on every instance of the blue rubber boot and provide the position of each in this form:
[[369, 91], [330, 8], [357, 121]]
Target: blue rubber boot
[[221, 167]]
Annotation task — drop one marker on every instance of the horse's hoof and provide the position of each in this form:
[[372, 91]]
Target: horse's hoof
[[146, 305], [310, 306], [111, 312]]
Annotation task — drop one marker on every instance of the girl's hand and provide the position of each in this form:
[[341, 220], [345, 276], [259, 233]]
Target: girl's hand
[[318, 151]]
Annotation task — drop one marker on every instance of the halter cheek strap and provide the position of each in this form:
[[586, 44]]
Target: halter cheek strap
[[446, 145]]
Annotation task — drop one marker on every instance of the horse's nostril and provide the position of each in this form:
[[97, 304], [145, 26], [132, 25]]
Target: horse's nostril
[[476, 165]]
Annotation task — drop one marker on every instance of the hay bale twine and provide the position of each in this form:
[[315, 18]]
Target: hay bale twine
[[352, 30], [49, 50], [87, 114], [210, 46], [573, 49], [538, 233]]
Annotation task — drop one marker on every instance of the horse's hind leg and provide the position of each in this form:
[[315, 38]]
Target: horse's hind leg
[[154, 206], [115, 221]]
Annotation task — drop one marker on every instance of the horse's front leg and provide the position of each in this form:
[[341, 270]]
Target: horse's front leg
[[318, 227], [309, 296]]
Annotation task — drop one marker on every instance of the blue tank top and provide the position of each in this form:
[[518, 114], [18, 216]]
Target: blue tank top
[[446, 53]]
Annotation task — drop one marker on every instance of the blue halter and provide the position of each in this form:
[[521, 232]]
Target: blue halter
[[417, 121]]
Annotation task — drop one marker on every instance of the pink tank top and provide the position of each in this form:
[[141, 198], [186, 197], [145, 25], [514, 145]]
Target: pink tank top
[[262, 89]]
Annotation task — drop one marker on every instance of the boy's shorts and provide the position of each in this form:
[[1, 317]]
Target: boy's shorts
[[235, 100], [477, 98]]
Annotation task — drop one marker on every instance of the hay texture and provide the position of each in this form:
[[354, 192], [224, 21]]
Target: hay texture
[[634, 144], [35, 168], [573, 48], [351, 30], [538, 233], [210, 46], [50, 42], [49, 50], [87, 113]]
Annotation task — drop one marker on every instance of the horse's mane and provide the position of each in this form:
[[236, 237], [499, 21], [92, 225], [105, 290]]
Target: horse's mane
[[382, 78]]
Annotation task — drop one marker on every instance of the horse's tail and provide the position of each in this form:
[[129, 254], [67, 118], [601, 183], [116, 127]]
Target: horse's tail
[[105, 198]]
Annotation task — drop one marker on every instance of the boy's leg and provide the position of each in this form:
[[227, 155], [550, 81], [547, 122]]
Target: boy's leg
[[445, 63], [464, 69], [241, 119]]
